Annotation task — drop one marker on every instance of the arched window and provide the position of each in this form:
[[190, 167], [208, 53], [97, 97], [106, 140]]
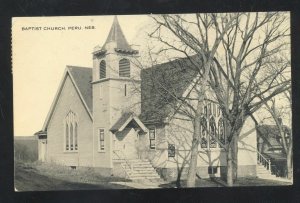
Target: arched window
[[124, 68], [71, 132], [102, 69], [67, 137], [221, 131], [203, 128], [212, 132]]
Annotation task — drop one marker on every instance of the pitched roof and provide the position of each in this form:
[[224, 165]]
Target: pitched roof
[[82, 77], [125, 120], [120, 122], [270, 130], [270, 133], [116, 34], [161, 85]]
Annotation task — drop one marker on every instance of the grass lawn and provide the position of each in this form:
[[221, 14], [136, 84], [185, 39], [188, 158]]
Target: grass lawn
[[43, 177], [217, 182]]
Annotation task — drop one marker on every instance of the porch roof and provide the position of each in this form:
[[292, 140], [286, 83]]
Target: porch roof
[[41, 134], [124, 120]]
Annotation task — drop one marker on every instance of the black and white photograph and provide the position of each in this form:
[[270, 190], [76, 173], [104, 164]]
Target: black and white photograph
[[153, 101]]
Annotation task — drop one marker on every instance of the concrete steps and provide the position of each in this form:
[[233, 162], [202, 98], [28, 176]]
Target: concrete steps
[[263, 173], [138, 169]]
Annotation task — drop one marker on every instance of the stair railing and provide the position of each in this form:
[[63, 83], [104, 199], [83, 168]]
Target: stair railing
[[123, 159], [264, 161]]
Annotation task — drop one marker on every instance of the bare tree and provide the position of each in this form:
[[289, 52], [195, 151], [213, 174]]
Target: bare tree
[[233, 70], [280, 66], [198, 37], [249, 47]]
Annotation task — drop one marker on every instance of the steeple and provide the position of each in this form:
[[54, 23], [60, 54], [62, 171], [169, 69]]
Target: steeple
[[116, 35]]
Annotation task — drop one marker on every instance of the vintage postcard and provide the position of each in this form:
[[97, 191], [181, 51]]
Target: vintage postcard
[[152, 101]]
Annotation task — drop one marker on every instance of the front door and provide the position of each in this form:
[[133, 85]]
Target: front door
[[126, 142]]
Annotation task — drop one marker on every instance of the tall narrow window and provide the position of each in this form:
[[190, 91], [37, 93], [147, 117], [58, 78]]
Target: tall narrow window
[[101, 140], [101, 92], [152, 138], [102, 69], [203, 128], [75, 137], [209, 109], [125, 90], [67, 136], [71, 132], [71, 136], [124, 68], [221, 133], [212, 131]]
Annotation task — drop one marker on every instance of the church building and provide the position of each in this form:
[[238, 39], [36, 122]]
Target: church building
[[114, 118]]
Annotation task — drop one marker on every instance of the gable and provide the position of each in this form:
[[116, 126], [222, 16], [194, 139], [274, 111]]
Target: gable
[[80, 79]]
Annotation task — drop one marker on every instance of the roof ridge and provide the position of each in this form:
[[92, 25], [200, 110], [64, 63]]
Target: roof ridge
[[72, 66]]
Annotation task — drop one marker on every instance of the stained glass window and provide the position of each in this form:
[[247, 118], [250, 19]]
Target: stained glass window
[[221, 130], [71, 132], [203, 128], [212, 131]]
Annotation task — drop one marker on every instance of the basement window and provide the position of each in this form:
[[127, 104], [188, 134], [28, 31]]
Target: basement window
[[212, 170]]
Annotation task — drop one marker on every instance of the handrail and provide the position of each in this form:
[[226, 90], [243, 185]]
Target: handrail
[[263, 160], [124, 158]]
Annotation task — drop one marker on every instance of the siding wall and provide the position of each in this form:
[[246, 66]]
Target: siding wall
[[69, 100], [180, 133]]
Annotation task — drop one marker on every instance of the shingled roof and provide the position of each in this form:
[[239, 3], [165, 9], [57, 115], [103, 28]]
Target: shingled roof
[[82, 77], [159, 86]]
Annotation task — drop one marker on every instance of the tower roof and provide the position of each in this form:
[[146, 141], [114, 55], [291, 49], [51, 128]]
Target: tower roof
[[116, 35]]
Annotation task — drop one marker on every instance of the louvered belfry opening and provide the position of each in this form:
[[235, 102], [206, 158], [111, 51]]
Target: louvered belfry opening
[[124, 68], [102, 69]]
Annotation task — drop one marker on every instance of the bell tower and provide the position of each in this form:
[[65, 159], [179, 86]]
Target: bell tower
[[116, 89]]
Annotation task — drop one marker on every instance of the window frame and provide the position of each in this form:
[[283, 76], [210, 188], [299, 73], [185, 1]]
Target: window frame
[[70, 121], [152, 140], [100, 149], [122, 75], [102, 70]]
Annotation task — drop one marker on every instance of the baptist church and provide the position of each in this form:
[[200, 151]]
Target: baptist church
[[116, 118]]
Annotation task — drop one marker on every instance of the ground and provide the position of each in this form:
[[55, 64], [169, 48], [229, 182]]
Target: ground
[[41, 177]]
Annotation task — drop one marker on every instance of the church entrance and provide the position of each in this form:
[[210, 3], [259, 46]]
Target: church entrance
[[129, 140], [127, 143]]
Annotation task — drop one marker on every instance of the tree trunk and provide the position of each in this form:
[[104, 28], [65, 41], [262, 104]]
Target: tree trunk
[[290, 161], [229, 176], [234, 157], [194, 151]]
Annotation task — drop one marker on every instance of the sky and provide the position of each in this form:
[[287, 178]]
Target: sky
[[40, 56]]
